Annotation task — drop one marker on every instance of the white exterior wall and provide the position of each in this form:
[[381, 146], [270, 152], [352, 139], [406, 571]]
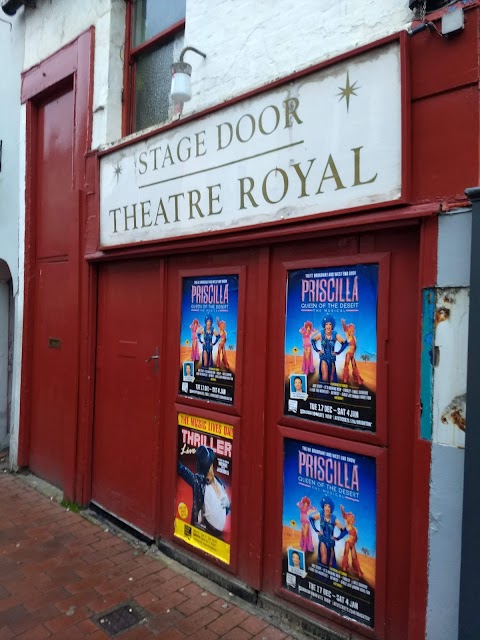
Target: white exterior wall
[[11, 185], [248, 43], [11, 50], [18, 300]]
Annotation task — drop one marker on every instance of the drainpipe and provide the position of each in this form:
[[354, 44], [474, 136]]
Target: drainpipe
[[469, 619]]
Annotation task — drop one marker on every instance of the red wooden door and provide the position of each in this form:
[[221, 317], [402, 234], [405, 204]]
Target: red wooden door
[[126, 425], [55, 339]]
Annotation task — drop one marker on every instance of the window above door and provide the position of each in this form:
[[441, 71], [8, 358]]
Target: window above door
[[154, 39]]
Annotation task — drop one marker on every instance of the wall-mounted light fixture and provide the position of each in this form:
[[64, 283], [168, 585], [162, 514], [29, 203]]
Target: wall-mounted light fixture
[[181, 89], [10, 7], [453, 19]]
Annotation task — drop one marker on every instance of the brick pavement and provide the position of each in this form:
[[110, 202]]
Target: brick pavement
[[59, 571]]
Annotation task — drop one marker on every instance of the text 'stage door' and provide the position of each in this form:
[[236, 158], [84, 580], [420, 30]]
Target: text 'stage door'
[[126, 427]]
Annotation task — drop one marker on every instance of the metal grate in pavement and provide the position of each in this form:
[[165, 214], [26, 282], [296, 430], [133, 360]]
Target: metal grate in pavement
[[120, 619]]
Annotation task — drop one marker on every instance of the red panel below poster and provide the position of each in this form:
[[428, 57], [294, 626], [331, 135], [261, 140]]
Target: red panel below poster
[[329, 534]]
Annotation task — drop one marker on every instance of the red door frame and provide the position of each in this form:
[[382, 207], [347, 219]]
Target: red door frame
[[73, 63]]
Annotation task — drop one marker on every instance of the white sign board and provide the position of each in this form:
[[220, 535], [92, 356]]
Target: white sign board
[[325, 142]]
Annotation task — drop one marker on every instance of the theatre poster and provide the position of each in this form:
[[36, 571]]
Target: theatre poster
[[203, 500], [331, 345], [329, 530], [208, 338]]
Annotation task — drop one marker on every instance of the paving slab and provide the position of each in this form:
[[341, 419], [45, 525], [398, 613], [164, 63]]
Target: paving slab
[[66, 575]]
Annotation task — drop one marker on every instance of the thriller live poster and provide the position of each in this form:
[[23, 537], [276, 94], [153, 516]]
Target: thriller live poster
[[204, 481], [329, 528], [208, 337], [331, 345]]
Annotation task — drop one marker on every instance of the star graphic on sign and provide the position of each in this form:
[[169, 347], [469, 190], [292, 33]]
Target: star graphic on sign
[[348, 91], [117, 170]]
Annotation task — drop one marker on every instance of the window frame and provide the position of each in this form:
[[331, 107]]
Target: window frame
[[129, 68]]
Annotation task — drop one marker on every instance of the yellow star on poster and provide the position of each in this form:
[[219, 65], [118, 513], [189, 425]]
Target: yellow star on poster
[[347, 91]]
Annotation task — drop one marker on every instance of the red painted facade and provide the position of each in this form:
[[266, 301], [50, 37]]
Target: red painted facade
[[121, 450]]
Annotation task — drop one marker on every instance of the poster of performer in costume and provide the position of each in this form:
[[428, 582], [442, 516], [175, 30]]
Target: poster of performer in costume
[[331, 345], [204, 481], [208, 337], [329, 528]]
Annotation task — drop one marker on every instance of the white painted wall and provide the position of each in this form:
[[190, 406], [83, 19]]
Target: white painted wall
[[11, 55], [248, 43], [11, 185], [18, 300], [252, 42]]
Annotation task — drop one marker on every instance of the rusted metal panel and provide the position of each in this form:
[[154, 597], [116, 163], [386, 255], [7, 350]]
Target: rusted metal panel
[[450, 350]]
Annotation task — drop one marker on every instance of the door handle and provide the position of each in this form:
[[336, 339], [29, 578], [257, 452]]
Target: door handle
[[154, 357]]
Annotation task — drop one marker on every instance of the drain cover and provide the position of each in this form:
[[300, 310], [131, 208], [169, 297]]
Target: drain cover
[[120, 619]]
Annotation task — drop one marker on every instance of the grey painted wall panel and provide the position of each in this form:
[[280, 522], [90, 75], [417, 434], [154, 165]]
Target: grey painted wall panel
[[446, 496], [454, 233]]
